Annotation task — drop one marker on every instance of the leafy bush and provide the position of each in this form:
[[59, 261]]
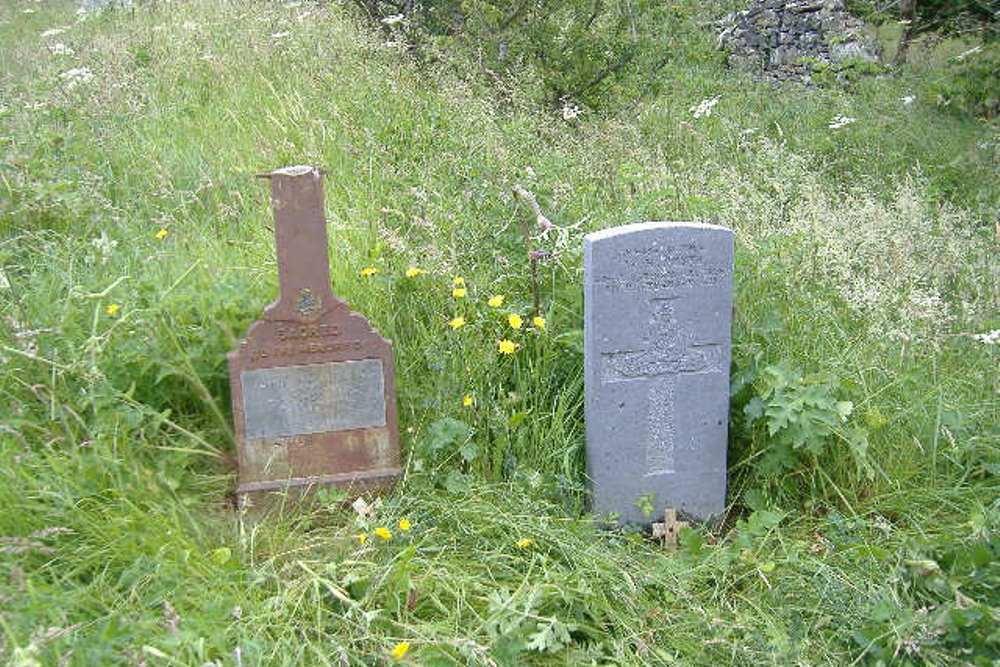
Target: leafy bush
[[971, 82], [576, 52]]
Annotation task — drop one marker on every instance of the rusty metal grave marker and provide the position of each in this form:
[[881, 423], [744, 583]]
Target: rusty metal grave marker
[[313, 384]]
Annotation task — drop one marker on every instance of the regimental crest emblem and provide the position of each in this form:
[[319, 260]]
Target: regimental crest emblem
[[307, 305]]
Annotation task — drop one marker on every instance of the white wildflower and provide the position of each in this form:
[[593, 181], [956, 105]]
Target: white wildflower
[[570, 111], [4, 283], [989, 338], [60, 49], [280, 35], [907, 100], [841, 121], [52, 32], [394, 19], [704, 108], [104, 245], [189, 25], [77, 75], [529, 171]]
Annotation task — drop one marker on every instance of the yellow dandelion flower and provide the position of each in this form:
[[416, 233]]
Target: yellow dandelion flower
[[368, 271], [467, 400], [538, 321], [515, 321], [457, 322], [162, 234], [400, 650], [362, 538], [495, 301], [405, 525], [413, 272], [459, 292], [458, 281], [383, 533], [112, 309], [507, 346], [524, 543]]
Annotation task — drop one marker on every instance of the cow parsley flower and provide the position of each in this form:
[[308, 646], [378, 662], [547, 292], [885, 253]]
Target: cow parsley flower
[[76, 76], [841, 121], [704, 108]]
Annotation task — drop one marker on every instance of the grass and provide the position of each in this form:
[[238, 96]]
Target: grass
[[865, 259]]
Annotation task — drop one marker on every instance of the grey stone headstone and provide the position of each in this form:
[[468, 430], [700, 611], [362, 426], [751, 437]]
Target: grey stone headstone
[[657, 317]]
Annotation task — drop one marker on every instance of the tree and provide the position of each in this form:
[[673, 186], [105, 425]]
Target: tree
[[947, 17], [578, 49]]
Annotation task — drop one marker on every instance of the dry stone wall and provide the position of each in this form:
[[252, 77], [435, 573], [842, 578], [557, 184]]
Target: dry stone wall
[[787, 40]]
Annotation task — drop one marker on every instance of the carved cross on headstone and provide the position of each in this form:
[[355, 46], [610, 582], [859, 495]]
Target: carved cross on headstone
[[657, 310], [668, 351], [313, 385]]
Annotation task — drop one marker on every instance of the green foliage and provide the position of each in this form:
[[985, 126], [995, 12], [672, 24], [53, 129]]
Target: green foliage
[[580, 52], [863, 254], [948, 580], [971, 82], [848, 71], [802, 417], [953, 16]]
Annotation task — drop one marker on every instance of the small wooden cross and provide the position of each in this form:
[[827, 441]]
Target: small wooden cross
[[669, 529]]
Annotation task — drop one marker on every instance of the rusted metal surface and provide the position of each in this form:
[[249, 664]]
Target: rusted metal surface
[[306, 412]]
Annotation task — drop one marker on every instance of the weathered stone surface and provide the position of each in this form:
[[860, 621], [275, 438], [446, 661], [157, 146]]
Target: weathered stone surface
[[786, 39], [658, 310], [296, 400], [313, 385]]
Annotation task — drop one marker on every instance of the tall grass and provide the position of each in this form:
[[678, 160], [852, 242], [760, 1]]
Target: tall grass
[[864, 263]]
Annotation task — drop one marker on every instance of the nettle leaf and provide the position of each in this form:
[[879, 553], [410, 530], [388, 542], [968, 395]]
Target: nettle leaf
[[754, 409], [469, 451], [779, 457], [857, 441], [456, 482], [445, 432], [780, 414], [551, 636]]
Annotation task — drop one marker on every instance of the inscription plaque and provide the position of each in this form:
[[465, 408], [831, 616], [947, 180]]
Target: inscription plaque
[[658, 309], [313, 385], [296, 400]]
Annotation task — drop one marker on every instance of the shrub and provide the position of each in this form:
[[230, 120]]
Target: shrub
[[577, 52]]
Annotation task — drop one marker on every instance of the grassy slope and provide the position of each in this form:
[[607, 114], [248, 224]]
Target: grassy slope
[[864, 254]]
